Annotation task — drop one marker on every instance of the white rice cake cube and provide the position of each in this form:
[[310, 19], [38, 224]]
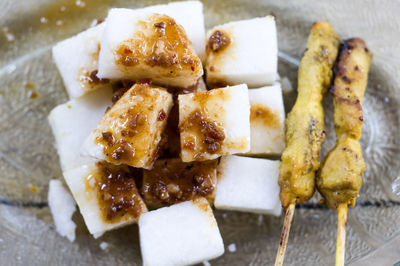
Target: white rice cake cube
[[129, 133], [106, 195], [62, 207], [267, 120], [214, 123], [77, 61], [72, 122], [139, 45], [248, 185], [183, 234], [190, 15], [172, 181], [243, 52]]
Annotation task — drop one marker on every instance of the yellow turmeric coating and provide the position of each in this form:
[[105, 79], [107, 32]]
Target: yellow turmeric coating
[[339, 180], [305, 123]]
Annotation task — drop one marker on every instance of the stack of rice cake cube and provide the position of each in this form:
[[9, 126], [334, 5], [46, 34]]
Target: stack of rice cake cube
[[214, 123], [247, 52]]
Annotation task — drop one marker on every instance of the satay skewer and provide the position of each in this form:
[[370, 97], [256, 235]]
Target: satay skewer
[[305, 125], [340, 177]]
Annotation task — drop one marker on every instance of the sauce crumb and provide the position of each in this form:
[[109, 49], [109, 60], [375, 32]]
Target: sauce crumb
[[211, 135], [33, 189], [218, 41], [31, 92], [117, 192]]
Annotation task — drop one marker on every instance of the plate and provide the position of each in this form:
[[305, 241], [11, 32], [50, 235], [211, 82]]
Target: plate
[[30, 87]]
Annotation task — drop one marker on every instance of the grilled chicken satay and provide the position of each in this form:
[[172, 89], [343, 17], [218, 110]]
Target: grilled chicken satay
[[305, 124], [339, 179]]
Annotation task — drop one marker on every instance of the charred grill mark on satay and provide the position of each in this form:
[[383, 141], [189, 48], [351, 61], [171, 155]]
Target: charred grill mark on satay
[[339, 180], [305, 123]]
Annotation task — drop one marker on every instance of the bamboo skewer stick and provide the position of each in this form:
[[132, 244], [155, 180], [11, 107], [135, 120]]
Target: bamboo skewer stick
[[341, 234], [285, 235]]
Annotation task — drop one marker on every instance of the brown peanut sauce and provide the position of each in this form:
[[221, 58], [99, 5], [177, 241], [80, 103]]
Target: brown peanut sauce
[[175, 91], [204, 133], [127, 138], [116, 192], [171, 137], [169, 146], [203, 97], [120, 148], [261, 114], [123, 86], [220, 46], [215, 83], [120, 87], [91, 78], [218, 41], [172, 181], [210, 133], [159, 42]]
